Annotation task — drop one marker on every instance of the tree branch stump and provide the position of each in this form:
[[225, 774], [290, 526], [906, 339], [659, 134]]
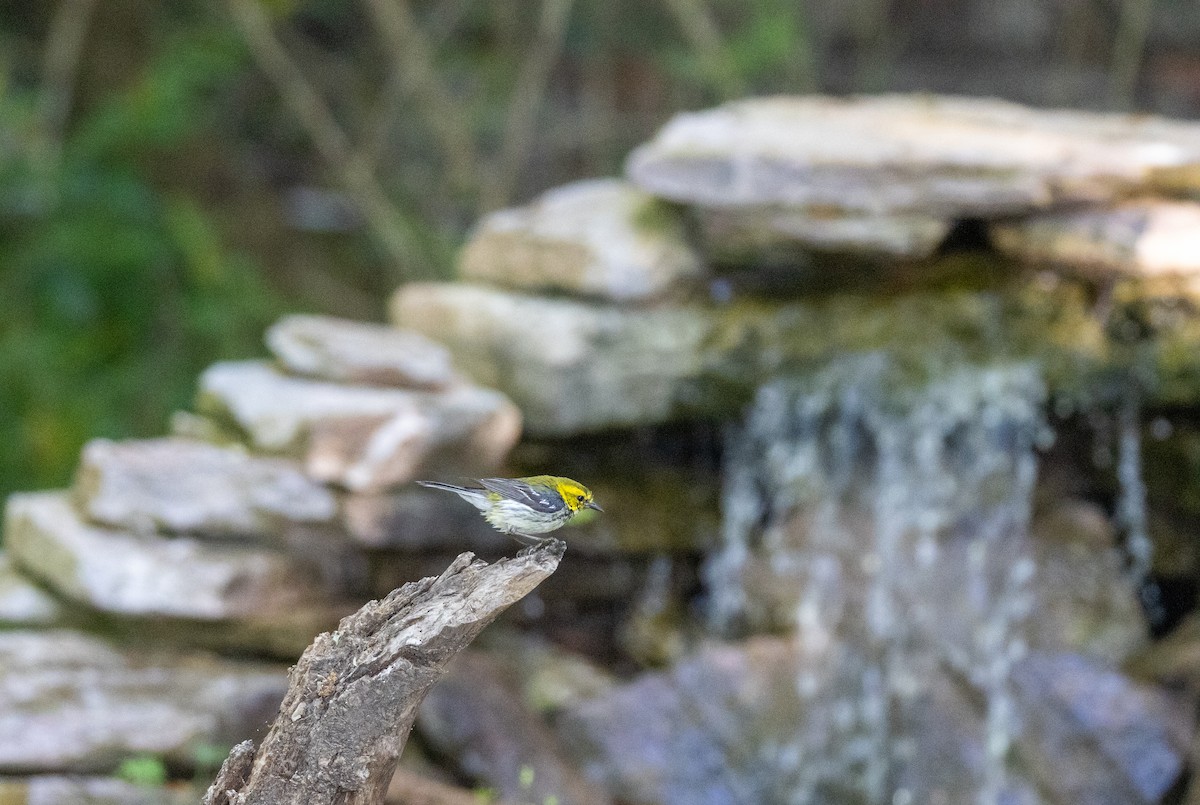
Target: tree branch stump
[[353, 696]]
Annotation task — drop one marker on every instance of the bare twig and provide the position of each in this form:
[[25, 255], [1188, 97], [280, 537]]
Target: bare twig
[[395, 234], [527, 98], [696, 21], [353, 696], [414, 74], [60, 63]]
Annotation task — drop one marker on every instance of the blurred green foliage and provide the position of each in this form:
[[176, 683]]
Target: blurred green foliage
[[146, 770], [115, 290]]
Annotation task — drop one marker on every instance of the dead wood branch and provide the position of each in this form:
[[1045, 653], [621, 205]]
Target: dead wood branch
[[353, 696]]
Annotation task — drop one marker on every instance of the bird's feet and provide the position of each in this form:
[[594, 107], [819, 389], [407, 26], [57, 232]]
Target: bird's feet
[[532, 544]]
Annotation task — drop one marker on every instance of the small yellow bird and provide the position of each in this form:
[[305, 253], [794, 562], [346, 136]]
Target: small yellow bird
[[523, 507]]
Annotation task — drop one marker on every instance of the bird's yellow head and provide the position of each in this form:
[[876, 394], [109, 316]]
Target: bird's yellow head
[[575, 495]]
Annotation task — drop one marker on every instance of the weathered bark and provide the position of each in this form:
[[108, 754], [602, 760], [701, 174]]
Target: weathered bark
[[353, 696]]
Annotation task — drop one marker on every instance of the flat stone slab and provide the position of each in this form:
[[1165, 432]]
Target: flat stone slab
[[362, 438], [22, 602], [569, 365], [600, 237], [940, 156], [70, 702], [1154, 238], [185, 486], [775, 234], [146, 575], [349, 351]]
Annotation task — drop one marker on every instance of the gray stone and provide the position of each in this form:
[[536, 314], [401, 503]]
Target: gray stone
[[184, 486], [1093, 737], [23, 603], [73, 703], [599, 237], [363, 438], [472, 716], [940, 156], [727, 725], [664, 737], [357, 352], [752, 235], [146, 575], [570, 366], [776, 720], [52, 789], [1152, 238]]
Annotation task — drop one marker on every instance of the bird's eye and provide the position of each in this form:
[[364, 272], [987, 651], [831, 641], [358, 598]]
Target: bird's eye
[[580, 498]]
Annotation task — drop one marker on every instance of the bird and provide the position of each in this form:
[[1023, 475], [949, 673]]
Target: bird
[[525, 507]]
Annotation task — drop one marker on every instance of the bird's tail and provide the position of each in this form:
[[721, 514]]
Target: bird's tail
[[447, 487], [474, 495]]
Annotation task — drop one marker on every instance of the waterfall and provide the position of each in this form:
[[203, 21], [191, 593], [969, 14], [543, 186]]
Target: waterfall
[[881, 514]]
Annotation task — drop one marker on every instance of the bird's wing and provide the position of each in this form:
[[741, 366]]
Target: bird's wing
[[542, 500]]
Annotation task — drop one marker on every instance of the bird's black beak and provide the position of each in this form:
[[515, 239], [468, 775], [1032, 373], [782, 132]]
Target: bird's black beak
[[594, 505]]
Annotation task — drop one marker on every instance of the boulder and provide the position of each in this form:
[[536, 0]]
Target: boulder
[[778, 720], [191, 487], [1152, 238], [727, 724], [946, 157], [363, 438], [346, 351], [1090, 735], [601, 238], [247, 596], [70, 702], [22, 602]]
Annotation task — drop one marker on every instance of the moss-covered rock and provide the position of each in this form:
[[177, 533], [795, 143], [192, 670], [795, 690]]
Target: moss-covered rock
[[574, 366]]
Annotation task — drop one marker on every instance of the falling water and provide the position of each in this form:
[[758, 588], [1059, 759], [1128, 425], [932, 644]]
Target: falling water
[[1131, 510], [884, 519]]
